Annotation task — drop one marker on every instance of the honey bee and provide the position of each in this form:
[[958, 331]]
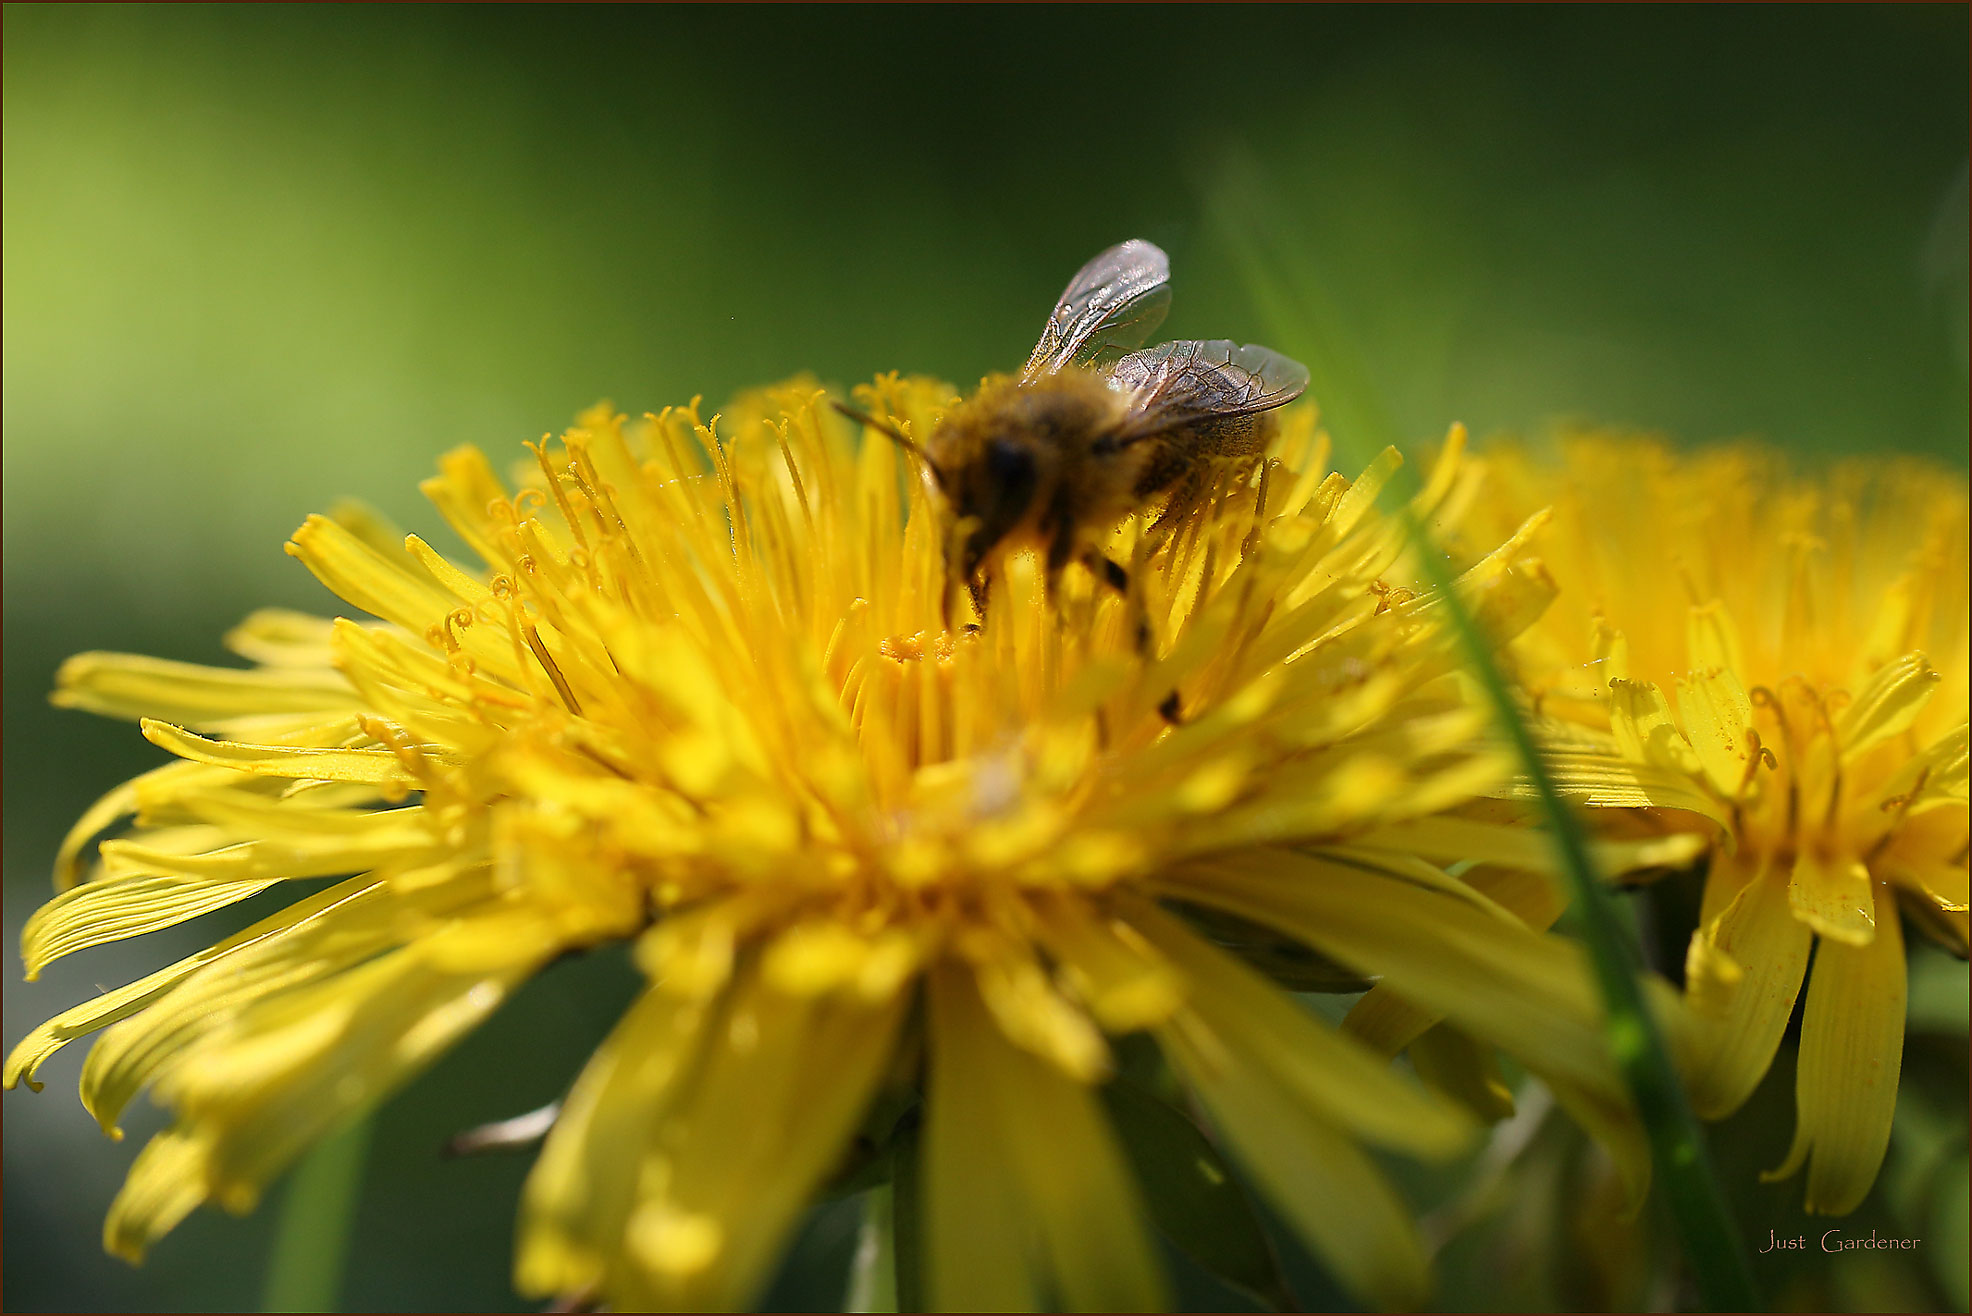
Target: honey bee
[[1091, 431]]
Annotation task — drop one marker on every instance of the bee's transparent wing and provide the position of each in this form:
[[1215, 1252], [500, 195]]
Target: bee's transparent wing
[[1176, 384], [1112, 303]]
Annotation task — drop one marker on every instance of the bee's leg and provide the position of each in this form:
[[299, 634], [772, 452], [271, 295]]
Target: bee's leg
[[1107, 570], [1111, 572], [1061, 548], [1183, 498]]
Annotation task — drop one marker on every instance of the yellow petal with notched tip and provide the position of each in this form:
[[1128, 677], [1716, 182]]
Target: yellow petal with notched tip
[[281, 637], [285, 1075], [314, 939], [105, 811], [1888, 705], [1852, 1042], [189, 694], [113, 909], [1831, 894], [380, 585], [582, 1187], [462, 491], [779, 1085], [1711, 638], [123, 1002], [1609, 652], [1640, 718], [1742, 974], [1718, 719], [1942, 882], [164, 1186]]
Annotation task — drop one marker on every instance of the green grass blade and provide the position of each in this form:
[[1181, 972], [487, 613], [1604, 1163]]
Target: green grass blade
[[873, 1271], [907, 1216], [1303, 320], [318, 1213]]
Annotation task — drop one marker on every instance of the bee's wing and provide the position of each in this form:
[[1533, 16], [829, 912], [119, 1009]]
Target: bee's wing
[[1112, 302], [1175, 384]]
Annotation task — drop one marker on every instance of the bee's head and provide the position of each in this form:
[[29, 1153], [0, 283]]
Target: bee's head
[[991, 496], [992, 465]]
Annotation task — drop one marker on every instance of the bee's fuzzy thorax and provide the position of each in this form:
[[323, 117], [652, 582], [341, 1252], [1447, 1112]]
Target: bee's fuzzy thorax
[[1024, 461]]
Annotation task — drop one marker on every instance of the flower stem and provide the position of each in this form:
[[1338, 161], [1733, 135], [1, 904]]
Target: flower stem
[[1711, 1240], [311, 1239]]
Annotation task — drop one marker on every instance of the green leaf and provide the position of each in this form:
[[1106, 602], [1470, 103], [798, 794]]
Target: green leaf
[[873, 1270], [864, 1166], [311, 1241], [907, 1216], [1194, 1199], [866, 1161]]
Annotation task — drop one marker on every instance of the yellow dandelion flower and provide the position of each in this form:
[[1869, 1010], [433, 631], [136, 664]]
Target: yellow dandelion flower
[[1779, 660], [700, 696]]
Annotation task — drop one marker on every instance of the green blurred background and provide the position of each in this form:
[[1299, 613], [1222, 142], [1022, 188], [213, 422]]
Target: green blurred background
[[257, 258]]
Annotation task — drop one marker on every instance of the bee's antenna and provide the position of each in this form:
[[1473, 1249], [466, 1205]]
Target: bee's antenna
[[895, 435]]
